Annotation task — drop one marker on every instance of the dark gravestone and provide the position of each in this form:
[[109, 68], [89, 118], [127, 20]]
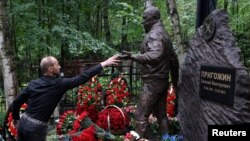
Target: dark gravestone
[[212, 48]]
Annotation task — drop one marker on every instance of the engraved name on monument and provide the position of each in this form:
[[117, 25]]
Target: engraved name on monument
[[217, 84]]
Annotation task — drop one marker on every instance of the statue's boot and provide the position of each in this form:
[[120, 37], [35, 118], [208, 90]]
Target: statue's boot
[[142, 129], [163, 126]]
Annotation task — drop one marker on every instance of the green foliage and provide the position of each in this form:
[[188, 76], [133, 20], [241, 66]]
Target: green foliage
[[81, 44], [2, 101], [72, 95], [133, 16], [105, 77], [2, 107], [239, 15], [75, 28], [51, 28], [52, 136], [36, 37], [187, 13]]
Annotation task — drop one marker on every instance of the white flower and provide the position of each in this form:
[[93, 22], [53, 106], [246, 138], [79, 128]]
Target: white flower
[[136, 135], [57, 120]]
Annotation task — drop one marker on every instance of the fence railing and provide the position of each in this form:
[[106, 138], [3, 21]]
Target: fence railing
[[129, 69]]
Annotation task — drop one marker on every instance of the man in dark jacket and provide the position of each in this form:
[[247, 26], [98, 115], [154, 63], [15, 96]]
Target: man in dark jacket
[[158, 59], [43, 95]]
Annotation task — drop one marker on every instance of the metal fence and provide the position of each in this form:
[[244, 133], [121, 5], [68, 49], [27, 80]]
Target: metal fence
[[129, 69]]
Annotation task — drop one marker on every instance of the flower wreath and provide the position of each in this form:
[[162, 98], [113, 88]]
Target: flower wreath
[[113, 119], [117, 92], [83, 132], [12, 130], [89, 98], [170, 101], [174, 126], [65, 122], [77, 123], [86, 135], [83, 129]]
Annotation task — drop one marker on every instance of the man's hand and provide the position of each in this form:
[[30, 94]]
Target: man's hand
[[114, 60], [126, 55]]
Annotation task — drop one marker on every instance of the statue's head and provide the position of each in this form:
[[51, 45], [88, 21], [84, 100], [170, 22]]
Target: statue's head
[[150, 16]]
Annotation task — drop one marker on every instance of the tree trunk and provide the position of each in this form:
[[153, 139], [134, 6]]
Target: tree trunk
[[124, 39], [97, 30], [234, 2], [13, 30], [101, 23], [172, 11], [106, 21], [6, 56], [49, 26], [63, 44], [40, 24], [225, 4]]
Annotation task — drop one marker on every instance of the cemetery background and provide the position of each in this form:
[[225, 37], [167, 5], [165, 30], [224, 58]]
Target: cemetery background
[[42, 36], [120, 90]]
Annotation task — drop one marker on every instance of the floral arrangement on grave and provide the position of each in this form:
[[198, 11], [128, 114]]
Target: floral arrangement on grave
[[12, 130], [64, 124], [80, 128], [167, 137], [113, 119], [80, 124], [174, 126], [89, 98], [171, 101], [117, 92]]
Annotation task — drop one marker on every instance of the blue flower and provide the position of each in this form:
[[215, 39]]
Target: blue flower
[[168, 137], [165, 137]]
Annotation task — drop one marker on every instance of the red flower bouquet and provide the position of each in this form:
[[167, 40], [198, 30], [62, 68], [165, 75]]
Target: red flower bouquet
[[10, 123], [83, 129], [117, 92], [65, 122], [170, 101], [82, 132], [86, 135], [174, 126], [77, 123], [113, 119], [89, 98]]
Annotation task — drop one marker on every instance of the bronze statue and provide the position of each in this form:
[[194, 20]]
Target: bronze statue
[[158, 59]]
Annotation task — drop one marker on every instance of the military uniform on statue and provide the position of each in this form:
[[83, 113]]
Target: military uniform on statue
[[158, 60]]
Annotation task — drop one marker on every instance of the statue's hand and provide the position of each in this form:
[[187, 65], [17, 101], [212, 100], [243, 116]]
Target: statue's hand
[[125, 55]]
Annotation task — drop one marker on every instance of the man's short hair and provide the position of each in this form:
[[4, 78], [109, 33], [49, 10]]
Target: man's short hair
[[46, 62]]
